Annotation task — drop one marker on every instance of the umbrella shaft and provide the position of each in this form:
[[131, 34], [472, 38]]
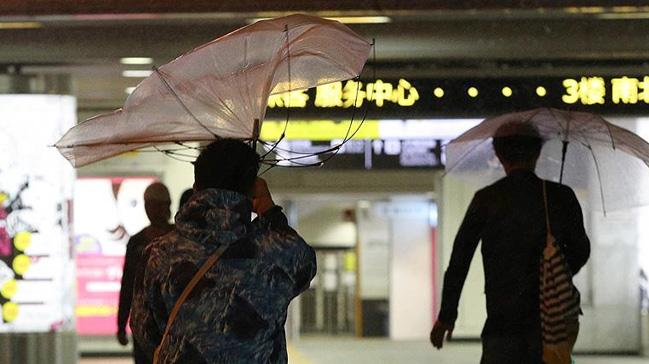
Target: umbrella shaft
[[563, 160]]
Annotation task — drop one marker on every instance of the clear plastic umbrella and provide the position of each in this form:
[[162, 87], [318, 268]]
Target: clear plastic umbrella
[[604, 162], [221, 89]]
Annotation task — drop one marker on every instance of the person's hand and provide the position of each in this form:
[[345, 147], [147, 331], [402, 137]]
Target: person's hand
[[122, 338], [438, 332], [262, 200]]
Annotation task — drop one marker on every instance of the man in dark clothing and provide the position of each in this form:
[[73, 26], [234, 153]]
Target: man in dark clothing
[[237, 311], [509, 218], [156, 205]]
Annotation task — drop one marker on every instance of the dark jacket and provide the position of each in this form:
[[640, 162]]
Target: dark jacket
[[509, 218], [132, 261], [236, 313]]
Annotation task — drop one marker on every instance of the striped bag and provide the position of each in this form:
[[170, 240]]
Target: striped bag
[[559, 301]]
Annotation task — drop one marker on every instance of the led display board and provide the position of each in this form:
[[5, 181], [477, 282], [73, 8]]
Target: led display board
[[463, 97]]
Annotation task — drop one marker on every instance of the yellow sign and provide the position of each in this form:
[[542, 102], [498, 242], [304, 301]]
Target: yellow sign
[[22, 240], [21, 264], [10, 311], [9, 289], [289, 99], [319, 130], [405, 94], [627, 90], [351, 93], [588, 90], [330, 95], [592, 90]]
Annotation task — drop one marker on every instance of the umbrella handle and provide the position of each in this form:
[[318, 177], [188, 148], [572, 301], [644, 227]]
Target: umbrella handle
[[564, 150], [255, 133]]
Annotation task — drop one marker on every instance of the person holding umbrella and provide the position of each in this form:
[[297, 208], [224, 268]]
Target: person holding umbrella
[[217, 288], [509, 217]]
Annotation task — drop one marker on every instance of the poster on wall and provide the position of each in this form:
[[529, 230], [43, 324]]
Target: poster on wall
[[107, 212], [36, 279]]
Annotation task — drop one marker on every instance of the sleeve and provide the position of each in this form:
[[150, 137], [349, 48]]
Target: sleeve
[[148, 304], [126, 290], [292, 261], [464, 248], [575, 241]]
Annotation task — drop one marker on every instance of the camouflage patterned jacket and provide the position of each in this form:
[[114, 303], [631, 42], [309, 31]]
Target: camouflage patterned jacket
[[236, 314]]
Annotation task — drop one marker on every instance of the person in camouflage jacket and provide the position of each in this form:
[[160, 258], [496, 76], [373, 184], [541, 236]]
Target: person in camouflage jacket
[[237, 312]]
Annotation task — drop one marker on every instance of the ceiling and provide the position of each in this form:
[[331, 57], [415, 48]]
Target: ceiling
[[84, 7], [78, 48]]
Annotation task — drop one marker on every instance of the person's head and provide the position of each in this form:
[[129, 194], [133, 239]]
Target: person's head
[[227, 164], [157, 204], [517, 145], [187, 194]]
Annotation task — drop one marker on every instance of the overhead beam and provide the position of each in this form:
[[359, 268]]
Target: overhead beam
[[443, 40], [57, 7]]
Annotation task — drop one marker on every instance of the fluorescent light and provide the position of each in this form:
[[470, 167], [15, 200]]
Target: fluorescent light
[[638, 15], [136, 60], [585, 9], [136, 73], [21, 25], [362, 19], [347, 19], [129, 90]]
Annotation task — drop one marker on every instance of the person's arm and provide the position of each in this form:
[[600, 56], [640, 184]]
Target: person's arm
[[576, 243], [290, 254], [293, 260], [126, 290], [464, 247]]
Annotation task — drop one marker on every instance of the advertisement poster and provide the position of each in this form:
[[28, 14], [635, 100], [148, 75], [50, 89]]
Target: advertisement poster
[[36, 277], [107, 212]]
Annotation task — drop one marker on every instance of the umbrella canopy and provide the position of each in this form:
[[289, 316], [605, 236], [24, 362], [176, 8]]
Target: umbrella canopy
[[608, 163], [221, 89]]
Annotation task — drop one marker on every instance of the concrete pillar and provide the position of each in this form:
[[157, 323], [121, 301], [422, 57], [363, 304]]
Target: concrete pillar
[[38, 348], [293, 321]]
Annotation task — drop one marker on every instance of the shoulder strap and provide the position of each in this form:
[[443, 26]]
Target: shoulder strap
[[211, 260]]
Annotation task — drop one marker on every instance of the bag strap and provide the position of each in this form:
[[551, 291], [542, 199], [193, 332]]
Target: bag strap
[[209, 263]]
